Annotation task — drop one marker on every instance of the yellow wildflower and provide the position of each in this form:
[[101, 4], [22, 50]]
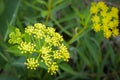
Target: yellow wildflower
[[101, 5], [64, 52], [107, 34], [40, 26], [53, 68], [45, 50], [114, 12], [105, 19], [94, 8], [15, 37], [116, 22], [29, 29], [96, 19], [115, 32], [32, 63], [96, 27], [27, 47], [46, 58], [50, 31], [44, 44], [111, 24]]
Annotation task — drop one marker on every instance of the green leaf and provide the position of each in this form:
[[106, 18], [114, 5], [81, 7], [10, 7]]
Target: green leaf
[[14, 50], [84, 57], [67, 69], [2, 6], [92, 50], [60, 6], [19, 62]]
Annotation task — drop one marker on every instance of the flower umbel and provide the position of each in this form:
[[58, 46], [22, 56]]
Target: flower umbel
[[15, 37], [27, 47], [105, 19], [41, 44], [53, 68], [32, 63]]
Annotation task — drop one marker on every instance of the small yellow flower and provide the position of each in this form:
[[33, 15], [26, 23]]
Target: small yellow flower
[[105, 19], [96, 27], [114, 12], [94, 8], [96, 19], [50, 31], [27, 47], [111, 24], [53, 68], [64, 52], [40, 26], [29, 29], [115, 32], [46, 58], [107, 34], [56, 39], [15, 37], [32, 63], [101, 5], [116, 22], [45, 50]]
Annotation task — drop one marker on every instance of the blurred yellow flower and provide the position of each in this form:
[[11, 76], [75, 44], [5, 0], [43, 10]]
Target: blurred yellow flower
[[105, 19]]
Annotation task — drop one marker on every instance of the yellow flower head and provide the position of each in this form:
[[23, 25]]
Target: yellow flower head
[[29, 30], [96, 19], [102, 6], [53, 68], [26, 47], [107, 34], [97, 27], [32, 63], [105, 19], [15, 37], [94, 8], [115, 32]]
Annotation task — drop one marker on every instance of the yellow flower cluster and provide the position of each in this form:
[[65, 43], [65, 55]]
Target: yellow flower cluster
[[41, 44], [26, 47], [32, 63], [53, 68], [15, 37], [105, 19]]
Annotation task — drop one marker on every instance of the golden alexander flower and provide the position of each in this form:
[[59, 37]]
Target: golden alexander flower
[[105, 19], [53, 68], [27, 47], [15, 37], [44, 45], [32, 63]]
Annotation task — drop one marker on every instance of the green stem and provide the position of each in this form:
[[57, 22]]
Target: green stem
[[38, 56], [81, 31], [49, 10], [75, 36], [12, 20]]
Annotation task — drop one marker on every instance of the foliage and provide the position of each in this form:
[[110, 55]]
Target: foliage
[[92, 57]]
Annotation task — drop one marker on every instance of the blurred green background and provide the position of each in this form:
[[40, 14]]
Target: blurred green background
[[92, 56]]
